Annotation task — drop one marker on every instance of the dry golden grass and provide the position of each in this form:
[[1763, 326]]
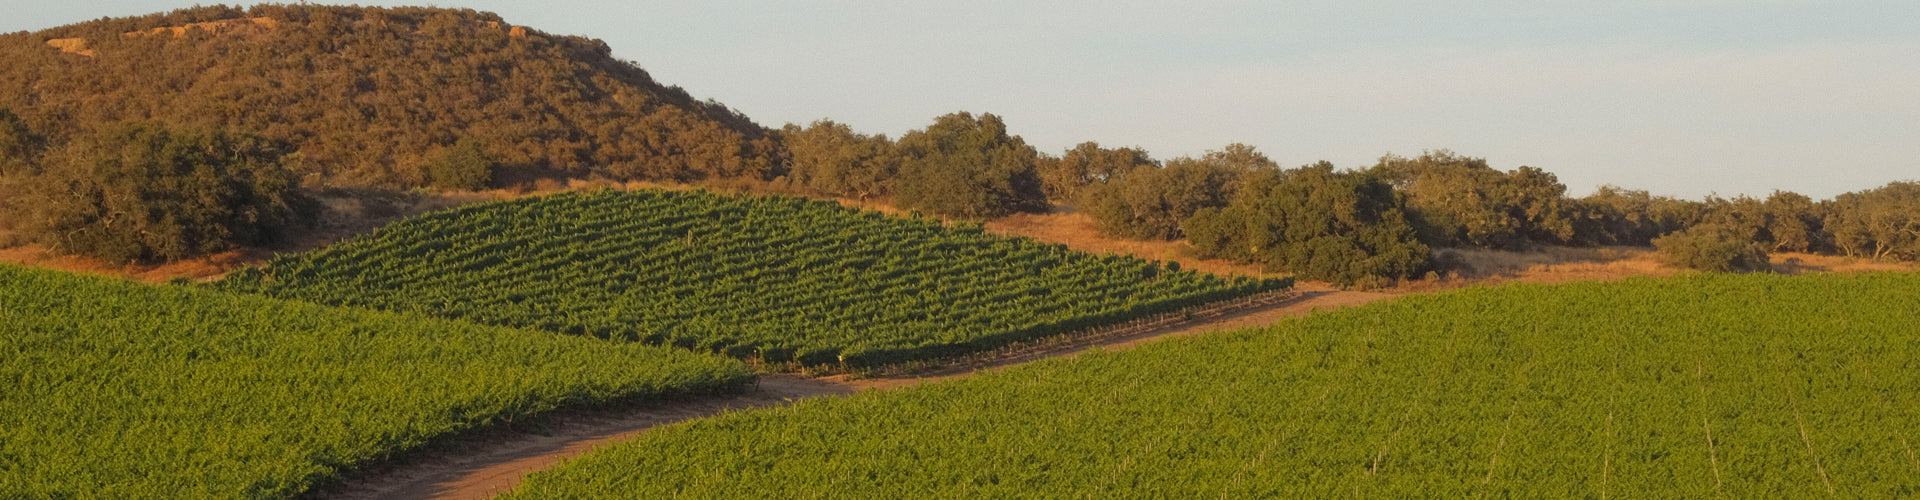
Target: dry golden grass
[[1469, 267], [1077, 231], [1802, 263]]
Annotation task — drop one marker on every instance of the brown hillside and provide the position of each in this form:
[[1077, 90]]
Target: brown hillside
[[368, 96]]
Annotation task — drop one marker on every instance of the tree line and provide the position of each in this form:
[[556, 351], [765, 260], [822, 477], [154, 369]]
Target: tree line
[[166, 147], [1382, 220]]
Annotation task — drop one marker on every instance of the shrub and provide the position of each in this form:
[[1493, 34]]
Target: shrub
[[19, 147], [830, 158], [1712, 248], [1342, 227], [968, 167], [140, 192], [1088, 164], [1150, 202], [464, 166], [1879, 223], [1459, 201]]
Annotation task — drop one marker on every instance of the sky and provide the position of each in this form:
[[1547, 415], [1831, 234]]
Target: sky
[[1683, 98]]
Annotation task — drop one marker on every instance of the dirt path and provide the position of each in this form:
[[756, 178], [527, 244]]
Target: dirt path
[[485, 466], [488, 466]]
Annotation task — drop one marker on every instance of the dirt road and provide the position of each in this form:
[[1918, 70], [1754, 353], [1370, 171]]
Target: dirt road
[[483, 467]]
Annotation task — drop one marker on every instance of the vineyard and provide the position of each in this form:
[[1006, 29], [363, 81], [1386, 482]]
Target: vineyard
[[120, 390], [1754, 386], [770, 278]]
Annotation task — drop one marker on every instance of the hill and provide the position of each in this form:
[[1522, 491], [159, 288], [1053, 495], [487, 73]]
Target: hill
[[371, 96], [122, 390], [771, 278], [1747, 386]]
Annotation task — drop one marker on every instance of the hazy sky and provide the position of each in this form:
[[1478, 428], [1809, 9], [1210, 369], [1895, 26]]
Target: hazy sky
[[1677, 97]]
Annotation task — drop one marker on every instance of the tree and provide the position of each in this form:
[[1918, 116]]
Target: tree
[[141, 192], [968, 167], [1879, 223], [1616, 216], [1460, 201], [1794, 222], [1239, 157], [465, 166], [19, 147], [1785, 221], [1319, 223], [1150, 202], [1088, 164], [830, 158], [1537, 200], [1713, 248]]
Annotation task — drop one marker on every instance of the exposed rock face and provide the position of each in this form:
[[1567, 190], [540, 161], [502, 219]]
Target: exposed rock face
[[216, 27], [252, 25], [72, 46]]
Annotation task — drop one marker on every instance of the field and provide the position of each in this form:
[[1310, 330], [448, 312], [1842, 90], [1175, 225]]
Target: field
[[122, 390], [1754, 386], [770, 278]]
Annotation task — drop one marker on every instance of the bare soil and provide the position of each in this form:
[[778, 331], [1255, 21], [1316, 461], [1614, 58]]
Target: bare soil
[[484, 465], [1077, 231]]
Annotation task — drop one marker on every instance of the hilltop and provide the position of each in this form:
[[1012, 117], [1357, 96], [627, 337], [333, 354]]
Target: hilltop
[[371, 96], [120, 140]]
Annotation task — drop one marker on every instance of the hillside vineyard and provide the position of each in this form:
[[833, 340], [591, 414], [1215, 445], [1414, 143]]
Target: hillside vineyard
[[772, 278], [122, 390], [1753, 386]]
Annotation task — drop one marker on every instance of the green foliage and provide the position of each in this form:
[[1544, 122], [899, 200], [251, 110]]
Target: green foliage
[[1461, 202], [830, 158], [369, 94], [1526, 391], [1785, 221], [1713, 248], [777, 278], [1343, 227], [1151, 202], [1794, 223], [1085, 165], [465, 166], [1880, 223], [1615, 216], [121, 390], [968, 167], [140, 191]]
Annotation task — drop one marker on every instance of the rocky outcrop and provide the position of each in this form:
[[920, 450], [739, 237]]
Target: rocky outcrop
[[229, 26], [72, 46]]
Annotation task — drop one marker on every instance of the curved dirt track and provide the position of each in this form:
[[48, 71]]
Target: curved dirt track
[[486, 467]]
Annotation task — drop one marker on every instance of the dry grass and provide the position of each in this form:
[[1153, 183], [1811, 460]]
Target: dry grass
[[352, 212], [1802, 263], [1468, 267], [1076, 230]]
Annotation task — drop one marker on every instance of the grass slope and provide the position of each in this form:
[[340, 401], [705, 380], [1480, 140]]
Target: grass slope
[[121, 390], [779, 278], [1741, 386]]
